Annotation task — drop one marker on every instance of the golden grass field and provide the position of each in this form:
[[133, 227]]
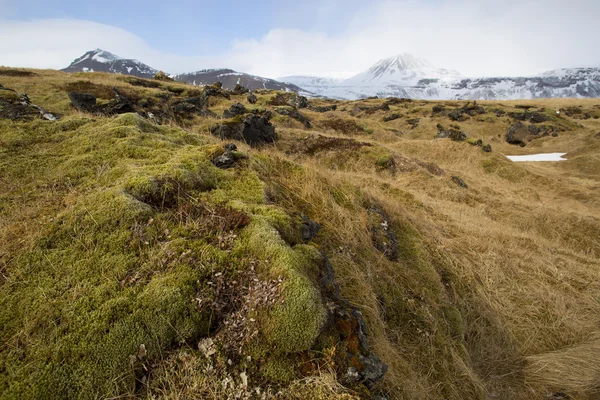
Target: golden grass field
[[495, 293]]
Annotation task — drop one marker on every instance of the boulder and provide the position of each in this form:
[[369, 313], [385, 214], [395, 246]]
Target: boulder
[[310, 228], [251, 98], [225, 160], [289, 99], [414, 122], [293, 113], [517, 134], [235, 110], [454, 133], [487, 148], [15, 106], [239, 89], [253, 129], [391, 117], [218, 85], [83, 101]]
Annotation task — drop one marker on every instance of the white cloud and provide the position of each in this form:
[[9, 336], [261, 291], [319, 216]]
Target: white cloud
[[476, 37]]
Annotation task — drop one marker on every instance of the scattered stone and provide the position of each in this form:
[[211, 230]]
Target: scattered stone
[[454, 133], [322, 109], [487, 148], [391, 117], [289, 99], [468, 110], [253, 129], [239, 89], [15, 106], [356, 363], [252, 99], [83, 101], [414, 122], [517, 134], [234, 110], [309, 228], [225, 160], [218, 85], [382, 235], [459, 182], [534, 117], [438, 109], [369, 109], [293, 113]]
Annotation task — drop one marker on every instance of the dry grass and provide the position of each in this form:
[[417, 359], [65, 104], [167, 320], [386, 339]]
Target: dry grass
[[496, 292]]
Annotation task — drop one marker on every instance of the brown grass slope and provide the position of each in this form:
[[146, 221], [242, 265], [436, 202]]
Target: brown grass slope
[[495, 292]]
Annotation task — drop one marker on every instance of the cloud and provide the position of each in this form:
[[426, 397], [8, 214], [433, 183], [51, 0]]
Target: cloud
[[475, 37]]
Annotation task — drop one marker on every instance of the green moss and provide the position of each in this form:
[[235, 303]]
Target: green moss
[[294, 325]]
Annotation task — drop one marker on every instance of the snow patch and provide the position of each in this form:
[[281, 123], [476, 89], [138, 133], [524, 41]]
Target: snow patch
[[538, 157]]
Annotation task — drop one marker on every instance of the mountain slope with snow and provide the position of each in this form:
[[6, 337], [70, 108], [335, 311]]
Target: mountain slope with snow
[[412, 77], [103, 61]]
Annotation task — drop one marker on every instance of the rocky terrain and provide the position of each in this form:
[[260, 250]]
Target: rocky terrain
[[165, 240]]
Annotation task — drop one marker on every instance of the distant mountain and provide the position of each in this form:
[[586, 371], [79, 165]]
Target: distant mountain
[[412, 77], [229, 78], [103, 61], [312, 84]]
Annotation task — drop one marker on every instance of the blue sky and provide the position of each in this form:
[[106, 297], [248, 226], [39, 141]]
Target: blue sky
[[335, 38], [196, 26]]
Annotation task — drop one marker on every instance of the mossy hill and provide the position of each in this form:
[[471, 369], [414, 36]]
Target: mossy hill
[[152, 248]]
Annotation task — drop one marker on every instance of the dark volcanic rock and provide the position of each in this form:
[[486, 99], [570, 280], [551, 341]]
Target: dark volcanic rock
[[239, 89], [289, 99], [293, 113], [391, 117], [414, 122], [535, 117], [322, 109], [251, 98], [15, 106], [225, 160], [83, 101], [234, 110], [310, 228], [253, 129], [459, 182], [487, 148], [518, 134], [453, 133], [355, 362], [382, 235]]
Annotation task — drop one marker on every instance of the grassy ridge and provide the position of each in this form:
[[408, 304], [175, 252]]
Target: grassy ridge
[[116, 233]]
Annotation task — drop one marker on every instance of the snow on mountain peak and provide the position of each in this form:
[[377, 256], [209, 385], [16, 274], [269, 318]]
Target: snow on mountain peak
[[401, 69], [104, 56]]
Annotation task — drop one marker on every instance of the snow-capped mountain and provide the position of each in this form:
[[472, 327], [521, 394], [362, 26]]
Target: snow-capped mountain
[[404, 69], [412, 77], [103, 61], [313, 84], [229, 78]]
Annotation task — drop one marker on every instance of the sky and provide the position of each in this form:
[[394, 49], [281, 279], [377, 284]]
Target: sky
[[332, 38]]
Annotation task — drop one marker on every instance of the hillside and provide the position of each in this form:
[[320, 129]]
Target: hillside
[[169, 241]]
